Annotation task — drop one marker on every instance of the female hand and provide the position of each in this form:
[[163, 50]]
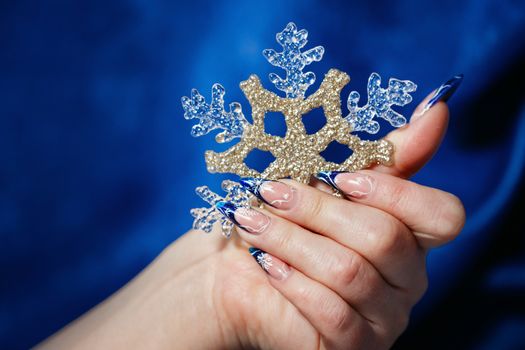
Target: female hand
[[343, 274], [353, 270]]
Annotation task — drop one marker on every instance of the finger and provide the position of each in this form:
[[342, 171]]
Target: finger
[[340, 326], [322, 259], [375, 235], [435, 217], [416, 143]]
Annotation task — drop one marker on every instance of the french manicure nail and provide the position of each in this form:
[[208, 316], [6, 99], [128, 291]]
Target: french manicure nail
[[277, 194], [443, 93], [275, 267], [248, 219], [355, 185]]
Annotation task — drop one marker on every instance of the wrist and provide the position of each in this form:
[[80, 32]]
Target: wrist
[[192, 293], [168, 305]]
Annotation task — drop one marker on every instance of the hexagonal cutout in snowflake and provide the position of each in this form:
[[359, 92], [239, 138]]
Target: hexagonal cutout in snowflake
[[297, 153]]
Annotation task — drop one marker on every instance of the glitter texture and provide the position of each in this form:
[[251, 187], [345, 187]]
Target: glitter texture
[[297, 154], [213, 116], [293, 61], [379, 104]]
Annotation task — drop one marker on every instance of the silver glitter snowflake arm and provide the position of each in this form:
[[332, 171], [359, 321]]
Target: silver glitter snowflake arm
[[205, 218], [213, 116], [293, 61], [379, 104]]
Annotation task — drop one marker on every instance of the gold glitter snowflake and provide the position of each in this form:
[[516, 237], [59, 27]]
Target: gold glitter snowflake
[[297, 154]]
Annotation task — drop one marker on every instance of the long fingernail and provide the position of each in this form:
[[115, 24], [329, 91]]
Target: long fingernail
[[275, 267], [248, 219], [355, 185], [277, 194], [443, 93]]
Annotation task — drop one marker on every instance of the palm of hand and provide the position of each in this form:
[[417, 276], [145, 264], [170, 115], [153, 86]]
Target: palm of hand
[[262, 316]]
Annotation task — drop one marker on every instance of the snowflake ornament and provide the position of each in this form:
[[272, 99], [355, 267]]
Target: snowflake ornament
[[297, 154]]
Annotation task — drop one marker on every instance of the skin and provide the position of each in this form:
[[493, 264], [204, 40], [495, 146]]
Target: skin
[[356, 268]]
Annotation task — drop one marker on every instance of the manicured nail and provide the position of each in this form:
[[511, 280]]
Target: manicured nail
[[275, 267], [277, 194], [443, 93], [355, 185], [248, 219], [328, 177]]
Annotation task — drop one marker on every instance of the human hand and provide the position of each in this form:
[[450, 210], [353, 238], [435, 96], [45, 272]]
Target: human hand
[[356, 268], [353, 268]]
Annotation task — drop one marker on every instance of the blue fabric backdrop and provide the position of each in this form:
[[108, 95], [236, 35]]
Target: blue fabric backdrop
[[98, 167]]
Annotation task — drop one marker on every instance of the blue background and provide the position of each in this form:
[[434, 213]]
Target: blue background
[[98, 168]]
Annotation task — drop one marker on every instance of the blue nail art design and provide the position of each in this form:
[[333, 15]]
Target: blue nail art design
[[328, 177], [262, 258], [228, 209], [253, 185], [445, 91]]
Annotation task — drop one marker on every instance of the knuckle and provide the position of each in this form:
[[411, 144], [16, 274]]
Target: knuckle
[[387, 244], [388, 239], [347, 268]]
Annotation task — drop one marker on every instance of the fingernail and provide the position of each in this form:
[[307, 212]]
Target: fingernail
[[443, 93], [248, 219], [355, 185], [275, 267], [277, 194], [328, 177]]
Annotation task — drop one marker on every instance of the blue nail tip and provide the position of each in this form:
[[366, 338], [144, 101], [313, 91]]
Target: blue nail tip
[[328, 177], [252, 185], [228, 210], [259, 256], [249, 183], [255, 251], [446, 90]]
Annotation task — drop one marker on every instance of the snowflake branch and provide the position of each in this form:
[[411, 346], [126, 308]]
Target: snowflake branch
[[293, 61], [213, 116], [379, 104]]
